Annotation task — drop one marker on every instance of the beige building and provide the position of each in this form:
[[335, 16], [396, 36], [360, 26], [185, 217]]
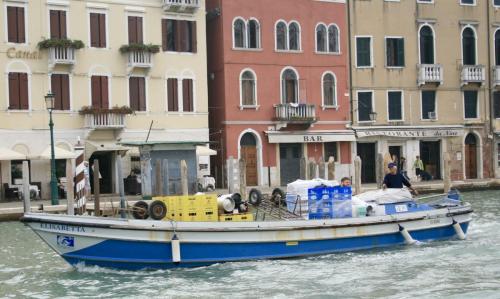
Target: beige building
[[421, 83], [142, 64]]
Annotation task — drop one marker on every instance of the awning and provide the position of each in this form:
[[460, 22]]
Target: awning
[[205, 151], [102, 146], [59, 153], [8, 154], [310, 136]]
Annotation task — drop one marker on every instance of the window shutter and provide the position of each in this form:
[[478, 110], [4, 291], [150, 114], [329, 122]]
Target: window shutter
[[94, 30], [496, 100], [62, 24], [21, 35], [401, 52], [23, 91], [187, 95], [104, 92], [55, 81], [142, 93], [181, 45], [12, 24], [164, 34], [194, 42], [96, 91], [65, 92], [102, 30], [172, 95], [14, 91], [132, 30], [139, 30], [54, 24], [133, 93]]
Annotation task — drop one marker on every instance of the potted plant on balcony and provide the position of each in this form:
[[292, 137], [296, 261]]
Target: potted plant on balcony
[[85, 110], [60, 43], [136, 47]]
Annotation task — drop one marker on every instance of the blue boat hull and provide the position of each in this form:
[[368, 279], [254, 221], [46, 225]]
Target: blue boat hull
[[137, 255]]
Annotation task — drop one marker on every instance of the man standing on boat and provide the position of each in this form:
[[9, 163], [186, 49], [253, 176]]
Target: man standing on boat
[[396, 180]]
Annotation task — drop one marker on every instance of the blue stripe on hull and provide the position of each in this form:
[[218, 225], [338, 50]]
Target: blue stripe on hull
[[132, 255]]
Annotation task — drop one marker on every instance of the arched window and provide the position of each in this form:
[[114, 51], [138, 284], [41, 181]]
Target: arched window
[[321, 38], [253, 34], [333, 39], [239, 29], [294, 36], [281, 36], [289, 87], [469, 46], [329, 90], [497, 47], [248, 139], [248, 88], [426, 45]]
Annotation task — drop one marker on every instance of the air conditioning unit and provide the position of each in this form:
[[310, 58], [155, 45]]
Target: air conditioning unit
[[432, 115]]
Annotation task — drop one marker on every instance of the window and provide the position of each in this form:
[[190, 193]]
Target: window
[[60, 168], [16, 30], [99, 89], [248, 88], [333, 39], [426, 45], [321, 38], [60, 88], [289, 87], [428, 98], [496, 104], [281, 36], [330, 150], [98, 30], [329, 90], [468, 2], [253, 34], [239, 28], [187, 95], [468, 46], [18, 91], [137, 93], [496, 2], [294, 36], [179, 36], [58, 24], [16, 171], [497, 47], [395, 105], [498, 154], [395, 52], [135, 30], [470, 104], [363, 52], [365, 105], [172, 94]]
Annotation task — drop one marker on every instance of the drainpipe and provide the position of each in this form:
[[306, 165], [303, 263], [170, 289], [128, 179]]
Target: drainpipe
[[489, 88]]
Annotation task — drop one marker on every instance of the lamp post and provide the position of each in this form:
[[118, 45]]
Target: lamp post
[[49, 102], [373, 116]]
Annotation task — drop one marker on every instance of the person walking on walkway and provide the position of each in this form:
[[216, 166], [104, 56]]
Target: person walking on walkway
[[418, 165]]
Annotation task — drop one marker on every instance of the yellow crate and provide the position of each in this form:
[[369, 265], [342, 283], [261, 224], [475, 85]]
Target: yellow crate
[[236, 217], [190, 208]]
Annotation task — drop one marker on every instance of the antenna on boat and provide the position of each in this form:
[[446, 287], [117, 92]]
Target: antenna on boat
[[149, 131]]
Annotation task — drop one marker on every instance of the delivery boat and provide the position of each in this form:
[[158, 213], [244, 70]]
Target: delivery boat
[[133, 244]]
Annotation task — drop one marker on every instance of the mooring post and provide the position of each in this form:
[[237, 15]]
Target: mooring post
[[303, 168], [447, 173], [97, 189], [158, 178], [321, 168], [243, 179], [331, 168], [357, 174], [26, 187], [184, 178], [121, 187], [70, 195], [382, 168]]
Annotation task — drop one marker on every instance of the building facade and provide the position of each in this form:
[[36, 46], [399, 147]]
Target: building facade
[[422, 82], [278, 87], [120, 71]]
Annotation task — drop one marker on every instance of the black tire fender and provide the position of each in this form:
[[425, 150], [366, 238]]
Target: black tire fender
[[157, 210], [140, 210], [255, 197]]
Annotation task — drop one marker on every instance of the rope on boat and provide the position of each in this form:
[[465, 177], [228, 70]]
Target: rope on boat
[[406, 235]]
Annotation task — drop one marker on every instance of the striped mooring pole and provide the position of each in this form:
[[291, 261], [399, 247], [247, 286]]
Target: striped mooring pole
[[80, 191]]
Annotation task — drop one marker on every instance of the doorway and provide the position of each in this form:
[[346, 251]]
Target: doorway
[[367, 153], [290, 154], [248, 150], [105, 170], [396, 150], [430, 154], [470, 156]]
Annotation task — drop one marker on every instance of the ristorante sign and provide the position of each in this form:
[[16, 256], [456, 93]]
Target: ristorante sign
[[412, 133]]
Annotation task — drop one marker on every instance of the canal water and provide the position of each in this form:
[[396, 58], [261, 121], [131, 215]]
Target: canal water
[[452, 269]]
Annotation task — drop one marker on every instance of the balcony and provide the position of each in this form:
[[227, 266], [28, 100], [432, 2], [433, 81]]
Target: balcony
[[473, 74], [186, 6], [60, 55], [430, 73], [295, 113], [496, 75], [98, 121], [140, 59]]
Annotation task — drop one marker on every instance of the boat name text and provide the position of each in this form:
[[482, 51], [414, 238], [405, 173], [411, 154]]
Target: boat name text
[[62, 227]]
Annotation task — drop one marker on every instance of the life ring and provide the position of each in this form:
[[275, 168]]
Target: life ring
[[157, 210]]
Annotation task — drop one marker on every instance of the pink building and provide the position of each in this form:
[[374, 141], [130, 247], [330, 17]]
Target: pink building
[[278, 86]]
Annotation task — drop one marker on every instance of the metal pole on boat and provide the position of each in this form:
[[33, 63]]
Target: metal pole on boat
[[97, 189], [184, 178], [243, 178], [158, 178], [26, 187], [166, 187], [357, 174], [121, 187], [70, 195]]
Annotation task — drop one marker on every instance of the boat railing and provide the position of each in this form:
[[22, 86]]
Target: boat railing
[[275, 209]]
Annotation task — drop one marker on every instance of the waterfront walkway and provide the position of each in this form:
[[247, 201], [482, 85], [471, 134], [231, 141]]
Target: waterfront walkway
[[13, 210]]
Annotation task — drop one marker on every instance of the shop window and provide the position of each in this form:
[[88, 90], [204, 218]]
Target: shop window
[[16, 171], [330, 150]]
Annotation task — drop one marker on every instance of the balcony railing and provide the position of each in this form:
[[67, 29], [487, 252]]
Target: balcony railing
[[430, 73], [473, 74], [181, 5], [105, 121], [496, 75], [140, 59], [295, 113], [62, 56]]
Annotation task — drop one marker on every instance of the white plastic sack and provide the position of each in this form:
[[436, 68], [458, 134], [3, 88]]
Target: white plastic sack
[[386, 196]]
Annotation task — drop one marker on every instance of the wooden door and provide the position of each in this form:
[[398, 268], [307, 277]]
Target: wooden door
[[249, 154], [470, 149], [290, 155], [366, 151]]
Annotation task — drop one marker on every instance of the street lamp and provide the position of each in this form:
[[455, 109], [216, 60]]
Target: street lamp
[[49, 102], [373, 116]]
